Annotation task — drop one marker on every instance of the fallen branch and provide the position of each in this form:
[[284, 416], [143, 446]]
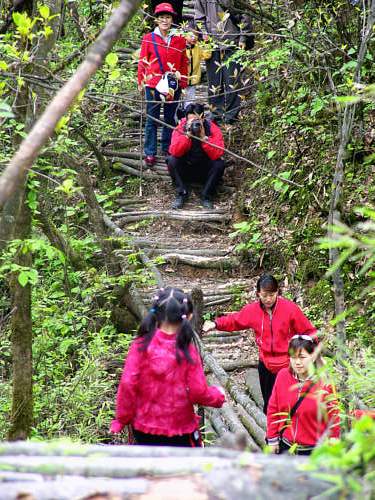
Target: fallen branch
[[252, 384], [236, 426], [252, 427]]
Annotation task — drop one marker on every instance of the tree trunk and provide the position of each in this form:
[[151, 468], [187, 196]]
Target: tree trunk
[[21, 324]]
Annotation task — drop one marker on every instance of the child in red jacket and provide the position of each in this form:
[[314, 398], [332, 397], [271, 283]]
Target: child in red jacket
[[302, 409], [275, 320], [163, 377]]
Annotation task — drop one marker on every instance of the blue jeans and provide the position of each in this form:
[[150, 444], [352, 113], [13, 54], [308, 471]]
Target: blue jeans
[[151, 128]]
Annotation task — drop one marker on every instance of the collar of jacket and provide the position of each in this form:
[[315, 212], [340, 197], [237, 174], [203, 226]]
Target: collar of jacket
[[166, 39]]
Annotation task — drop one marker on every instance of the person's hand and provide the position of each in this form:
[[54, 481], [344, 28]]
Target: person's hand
[[242, 45], [220, 389], [202, 132], [275, 448], [208, 326], [140, 88], [116, 427], [205, 37]]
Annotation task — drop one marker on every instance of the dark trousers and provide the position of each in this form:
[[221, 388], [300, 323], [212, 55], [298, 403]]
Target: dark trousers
[[207, 172], [267, 381], [151, 127], [223, 82], [185, 440], [284, 448]]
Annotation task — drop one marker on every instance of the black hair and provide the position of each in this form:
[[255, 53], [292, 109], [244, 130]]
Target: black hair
[[194, 108], [267, 282], [299, 343], [174, 306]]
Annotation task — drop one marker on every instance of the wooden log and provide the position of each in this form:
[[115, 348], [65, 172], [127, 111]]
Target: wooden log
[[121, 154], [253, 428], [236, 426], [221, 340], [207, 252], [221, 334], [174, 215], [217, 421], [141, 472], [217, 302], [241, 364], [197, 299], [202, 262], [253, 387], [220, 373], [132, 201], [146, 174], [248, 404]]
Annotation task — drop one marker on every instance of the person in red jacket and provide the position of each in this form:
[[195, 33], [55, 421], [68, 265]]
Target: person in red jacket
[[275, 320], [194, 160], [303, 409], [161, 52], [163, 377]]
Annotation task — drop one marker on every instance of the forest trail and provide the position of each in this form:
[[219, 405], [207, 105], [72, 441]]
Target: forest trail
[[195, 251]]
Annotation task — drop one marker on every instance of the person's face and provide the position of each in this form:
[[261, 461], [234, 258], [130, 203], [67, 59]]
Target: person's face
[[164, 22], [300, 362], [267, 297]]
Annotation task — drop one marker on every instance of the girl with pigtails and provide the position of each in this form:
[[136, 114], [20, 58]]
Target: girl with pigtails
[[163, 377]]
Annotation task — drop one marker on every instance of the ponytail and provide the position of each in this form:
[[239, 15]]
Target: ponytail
[[174, 306]]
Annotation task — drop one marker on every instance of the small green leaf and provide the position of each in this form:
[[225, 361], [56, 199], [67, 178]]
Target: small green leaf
[[44, 11], [23, 278], [111, 59]]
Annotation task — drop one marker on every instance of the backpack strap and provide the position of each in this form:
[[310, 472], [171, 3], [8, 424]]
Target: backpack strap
[[157, 53]]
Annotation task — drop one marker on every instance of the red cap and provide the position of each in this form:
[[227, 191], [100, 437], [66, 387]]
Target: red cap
[[164, 8]]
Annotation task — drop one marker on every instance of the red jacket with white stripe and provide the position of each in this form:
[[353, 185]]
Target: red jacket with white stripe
[[173, 57], [181, 143], [317, 415], [156, 393], [272, 332]]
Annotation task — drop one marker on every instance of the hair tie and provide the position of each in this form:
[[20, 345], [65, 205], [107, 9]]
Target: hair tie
[[185, 300], [183, 316]]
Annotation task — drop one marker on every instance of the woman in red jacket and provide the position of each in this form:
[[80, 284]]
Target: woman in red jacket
[[302, 409], [161, 52], [275, 320], [163, 377]]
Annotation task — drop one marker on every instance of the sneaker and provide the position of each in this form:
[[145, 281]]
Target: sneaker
[[150, 160], [206, 203], [179, 201]]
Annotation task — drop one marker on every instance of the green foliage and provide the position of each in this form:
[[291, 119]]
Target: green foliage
[[349, 462], [251, 233]]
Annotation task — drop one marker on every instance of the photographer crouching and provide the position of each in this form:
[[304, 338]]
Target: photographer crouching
[[194, 157]]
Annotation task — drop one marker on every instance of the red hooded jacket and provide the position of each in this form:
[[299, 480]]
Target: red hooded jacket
[[317, 414], [181, 144], [156, 393], [173, 57], [272, 332]]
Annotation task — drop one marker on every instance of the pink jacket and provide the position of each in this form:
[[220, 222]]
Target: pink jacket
[[272, 333], [317, 414], [156, 393]]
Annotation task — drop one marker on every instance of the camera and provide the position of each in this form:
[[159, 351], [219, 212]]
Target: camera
[[195, 128]]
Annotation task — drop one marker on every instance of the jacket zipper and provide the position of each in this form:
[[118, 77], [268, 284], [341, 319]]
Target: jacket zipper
[[271, 315]]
